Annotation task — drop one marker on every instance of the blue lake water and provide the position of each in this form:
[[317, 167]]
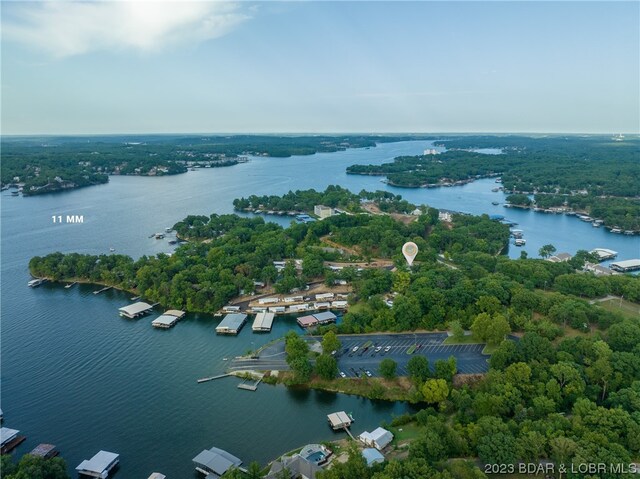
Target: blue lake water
[[77, 375]]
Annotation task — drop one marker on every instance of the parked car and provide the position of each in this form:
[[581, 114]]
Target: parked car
[[342, 374], [387, 349]]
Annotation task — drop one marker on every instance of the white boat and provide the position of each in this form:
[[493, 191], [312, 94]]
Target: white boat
[[36, 282], [520, 242]]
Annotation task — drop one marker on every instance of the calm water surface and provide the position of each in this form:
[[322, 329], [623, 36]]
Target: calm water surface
[[77, 375]]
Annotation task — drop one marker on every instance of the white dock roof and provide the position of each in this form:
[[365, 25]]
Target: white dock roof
[[164, 320], [98, 463], [7, 434], [263, 321], [174, 312], [232, 322], [339, 419], [135, 308], [627, 263]]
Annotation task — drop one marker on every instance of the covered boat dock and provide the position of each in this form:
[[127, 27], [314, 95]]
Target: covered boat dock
[[168, 319], [263, 322], [99, 465], [626, 266], [339, 420], [135, 310], [215, 462], [232, 323]]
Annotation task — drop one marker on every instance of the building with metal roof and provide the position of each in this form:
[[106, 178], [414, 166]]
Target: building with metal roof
[[307, 321], [339, 420], [215, 462], [7, 435], [378, 438], [626, 265], [157, 475], [325, 317], [372, 456], [263, 321], [232, 323], [135, 310], [604, 253], [99, 465]]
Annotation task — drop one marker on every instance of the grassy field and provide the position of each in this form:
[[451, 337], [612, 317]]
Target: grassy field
[[464, 340], [406, 432], [623, 307]]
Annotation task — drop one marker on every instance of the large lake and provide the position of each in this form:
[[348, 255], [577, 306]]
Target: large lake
[[77, 375]]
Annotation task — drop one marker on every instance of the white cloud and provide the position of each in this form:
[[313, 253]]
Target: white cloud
[[71, 28]]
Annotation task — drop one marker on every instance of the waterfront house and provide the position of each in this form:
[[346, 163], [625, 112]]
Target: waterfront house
[[298, 467], [378, 438]]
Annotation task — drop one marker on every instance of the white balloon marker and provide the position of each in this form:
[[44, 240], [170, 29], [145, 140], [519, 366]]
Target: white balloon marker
[[410, 250]]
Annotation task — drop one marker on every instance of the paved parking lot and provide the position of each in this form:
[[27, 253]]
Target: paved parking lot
[[395, 346]]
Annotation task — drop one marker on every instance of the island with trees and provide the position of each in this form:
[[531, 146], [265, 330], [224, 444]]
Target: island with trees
[[566, 389], [595, 175]]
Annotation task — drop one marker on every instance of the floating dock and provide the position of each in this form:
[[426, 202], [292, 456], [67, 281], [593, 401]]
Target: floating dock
[[312, 320], [626, 266], [168, 319], [99, 465], [263, 322], [9, 439], [249, 384], [339, 420], [232, 323], [46, 451], [135, 310], [604, 254]]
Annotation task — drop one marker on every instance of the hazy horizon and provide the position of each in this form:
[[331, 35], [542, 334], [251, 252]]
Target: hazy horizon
[[428, 68]]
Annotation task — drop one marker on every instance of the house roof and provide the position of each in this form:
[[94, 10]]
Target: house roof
[[372, 455]]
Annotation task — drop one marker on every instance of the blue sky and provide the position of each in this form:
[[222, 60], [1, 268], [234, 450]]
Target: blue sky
[[123, 67]]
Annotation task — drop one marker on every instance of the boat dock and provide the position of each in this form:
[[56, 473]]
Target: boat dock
[[168, 319], [135, 310], [211, 378], [250, 384], [231, 324], [604, 254], [106, 288], [9, 439], [339, 420], [263, 322], [626, 265], [99, 465]]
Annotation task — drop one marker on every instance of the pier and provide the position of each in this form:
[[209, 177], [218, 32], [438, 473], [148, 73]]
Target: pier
[[71, 284], [106, 288], [211, 378]]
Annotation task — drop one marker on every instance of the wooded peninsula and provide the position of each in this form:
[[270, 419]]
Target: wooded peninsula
[[595, 175]]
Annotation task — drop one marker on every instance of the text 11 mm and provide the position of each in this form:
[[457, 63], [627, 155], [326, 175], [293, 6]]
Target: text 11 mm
[[68, 219]]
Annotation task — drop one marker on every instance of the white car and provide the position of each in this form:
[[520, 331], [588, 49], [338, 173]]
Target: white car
[[343, 374], [368, 373], [355, 348], [378, 349], [387, 349]]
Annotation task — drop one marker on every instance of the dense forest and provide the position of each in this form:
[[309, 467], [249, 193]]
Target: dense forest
[[334, 196], [568, 390], [595, 175], [47, 164]]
